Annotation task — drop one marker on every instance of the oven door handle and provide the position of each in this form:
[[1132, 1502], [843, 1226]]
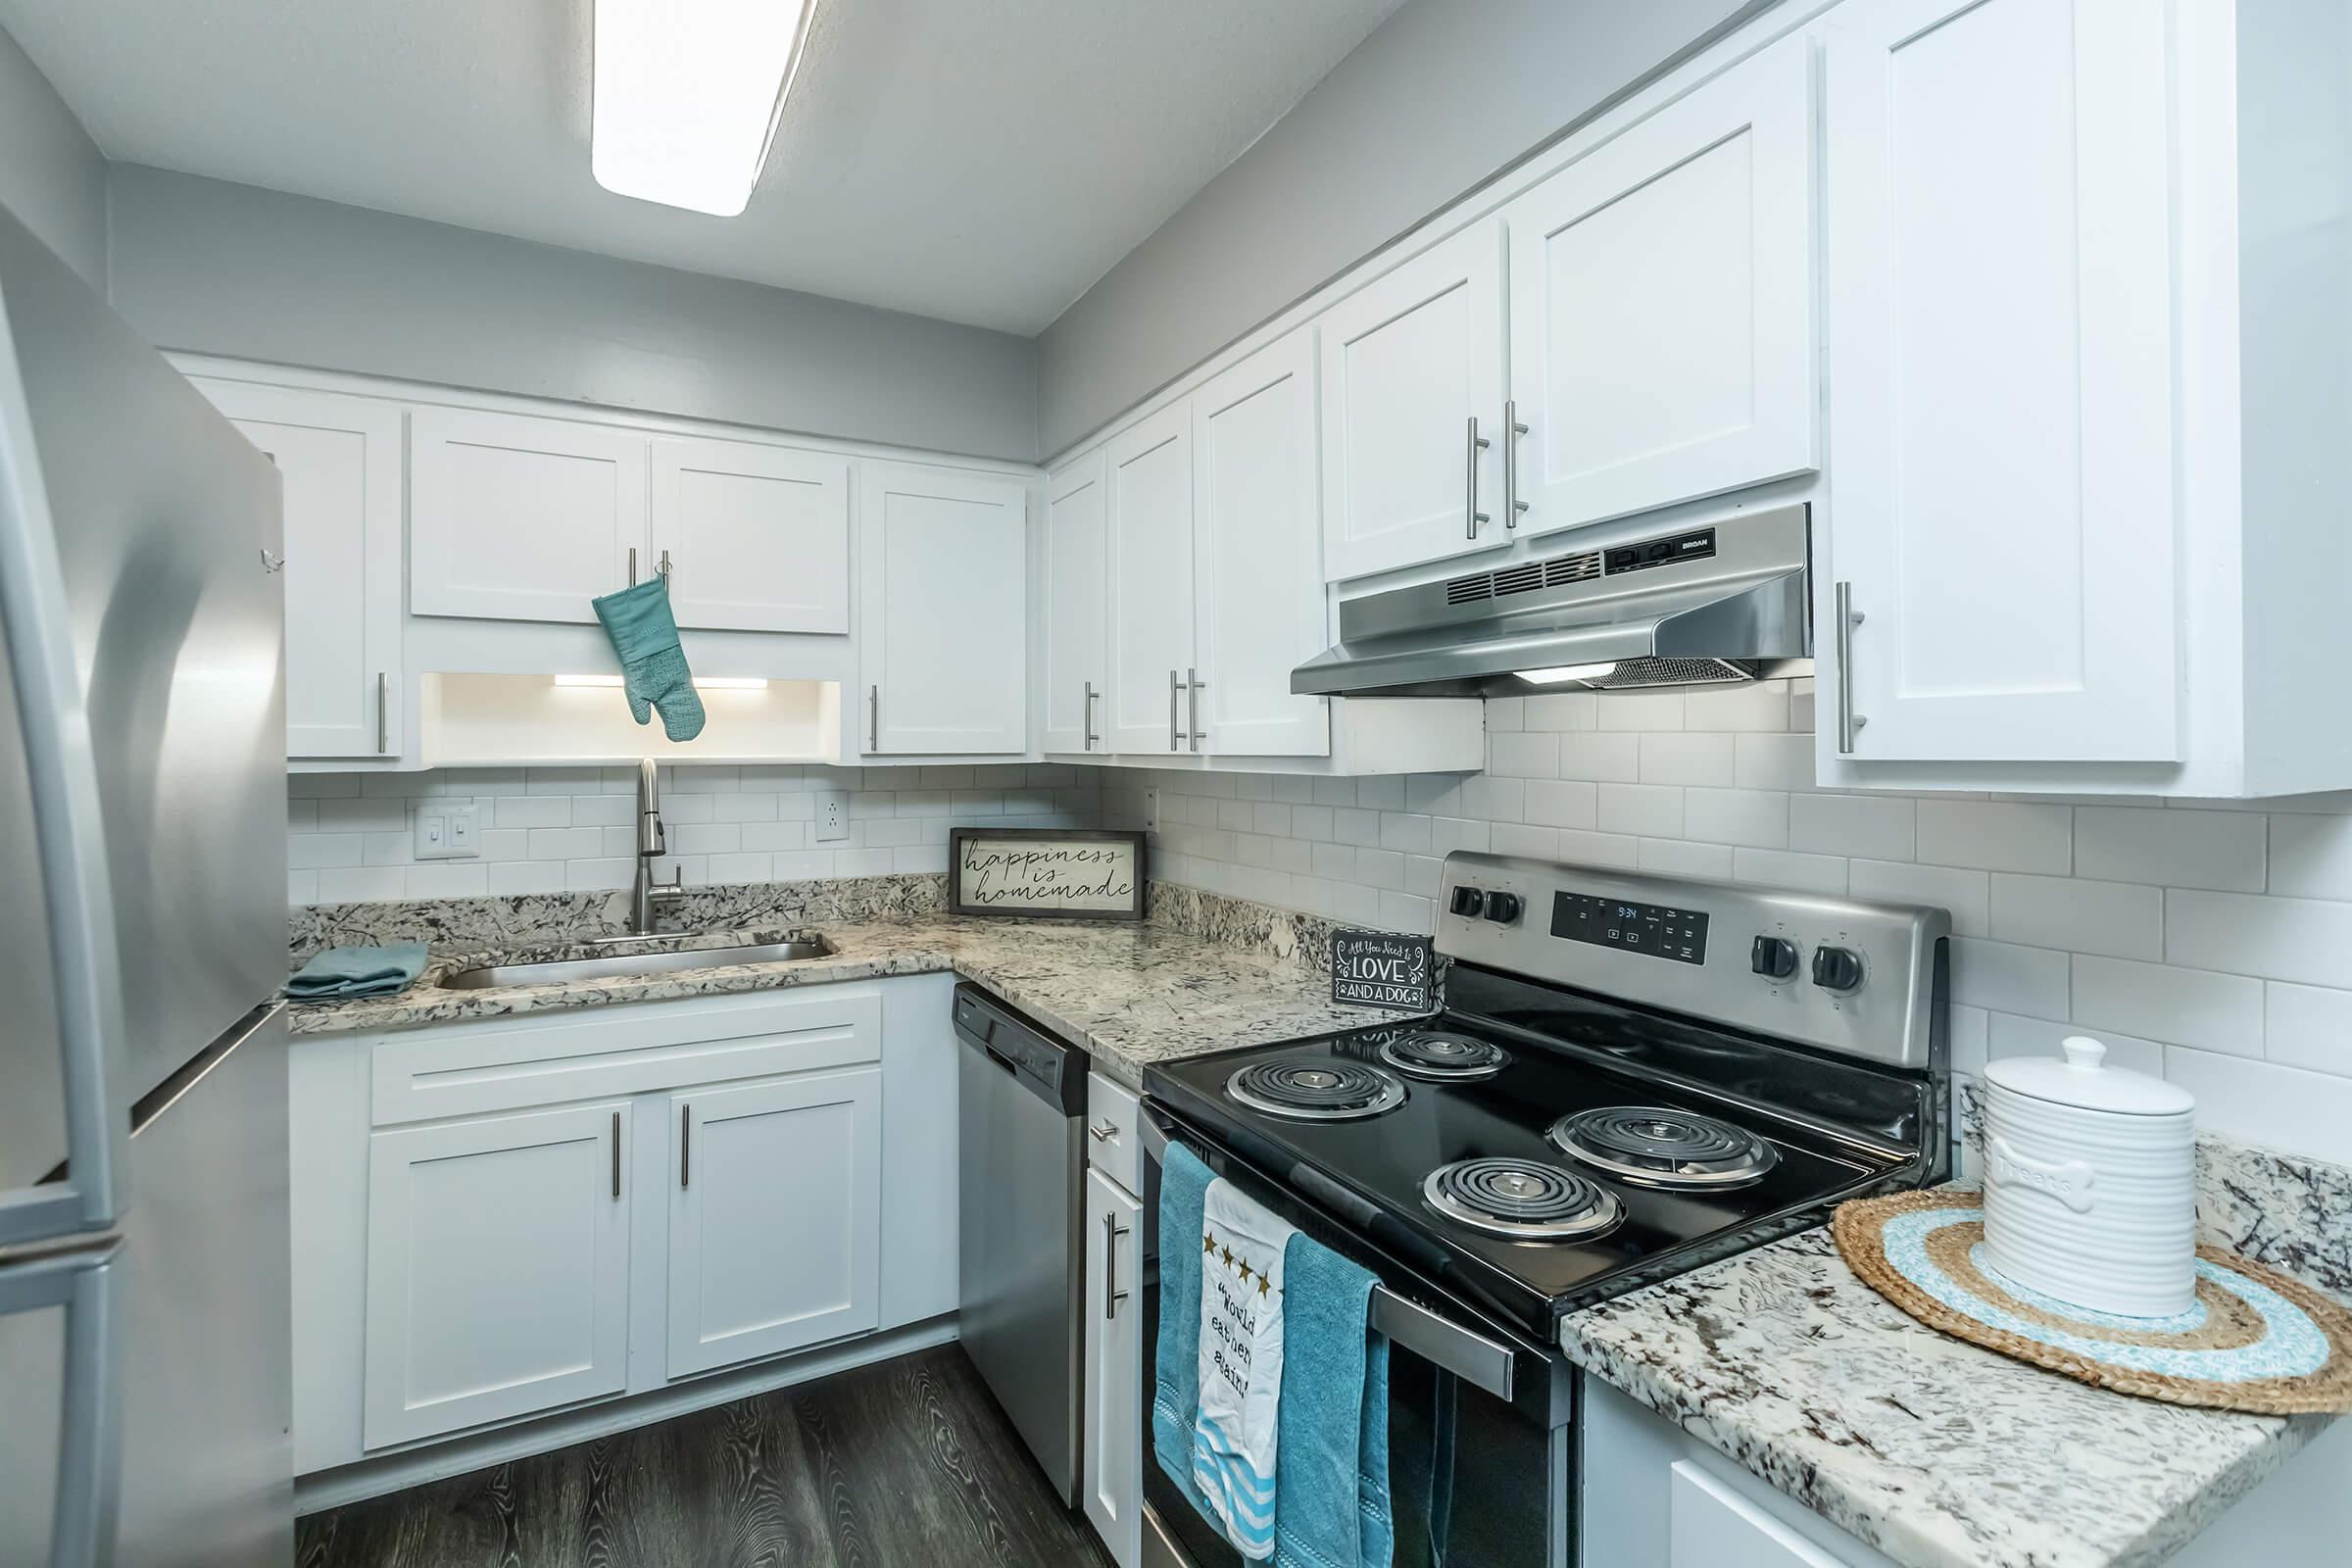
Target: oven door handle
[[1473, 1358]]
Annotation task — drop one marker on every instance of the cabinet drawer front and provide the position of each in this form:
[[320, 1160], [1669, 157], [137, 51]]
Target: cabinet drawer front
[[1711, 1524], [775, 1216], [550, 1057], [498, 1280], [1111, 1145]]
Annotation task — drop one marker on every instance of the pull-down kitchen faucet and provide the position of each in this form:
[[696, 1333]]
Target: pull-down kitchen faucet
[[647, 895]]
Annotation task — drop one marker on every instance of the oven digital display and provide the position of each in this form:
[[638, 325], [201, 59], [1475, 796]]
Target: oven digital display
[[1651, 928]]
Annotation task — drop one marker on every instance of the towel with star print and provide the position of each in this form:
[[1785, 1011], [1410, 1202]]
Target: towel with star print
[[1241, 1365]]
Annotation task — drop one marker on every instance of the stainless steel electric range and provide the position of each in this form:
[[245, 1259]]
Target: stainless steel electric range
[[1632, 1076]]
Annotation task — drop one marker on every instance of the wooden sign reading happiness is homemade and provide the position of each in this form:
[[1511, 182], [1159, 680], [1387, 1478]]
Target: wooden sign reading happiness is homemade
[[1062, 873]]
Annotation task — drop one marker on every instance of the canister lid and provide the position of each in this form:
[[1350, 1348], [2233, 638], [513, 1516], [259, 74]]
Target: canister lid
[[2084, 1080]]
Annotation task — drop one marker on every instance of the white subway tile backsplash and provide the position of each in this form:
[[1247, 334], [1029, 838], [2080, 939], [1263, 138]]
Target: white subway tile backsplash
[[1967, 896], [2010, 1035], [1759, 705], [1640, 711], [2120, 919], [1686, 758], [2221, 849], [1562, 803], [2181, 1006], [1995, 835], [1874, 828], [2268, 1103], [532, 811], [1601, 758], [1645, 810], [1600, 849], [367, 814], [1772, 762], [2308, 1027], [1557, 711], [1783, 869], [2003, 977], [2304, 940], [1758, 818], [2311, 856], [1682, 858], [1525, 754], [1532, 841], [356, 884]]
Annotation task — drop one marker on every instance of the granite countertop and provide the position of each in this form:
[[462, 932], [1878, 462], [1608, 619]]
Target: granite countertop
[[1129, 995], [1941, 1453]]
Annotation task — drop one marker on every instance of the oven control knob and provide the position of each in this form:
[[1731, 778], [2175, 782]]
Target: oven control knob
[[1503, 908], [1469, 900], [1774, 957], [1838, 968]]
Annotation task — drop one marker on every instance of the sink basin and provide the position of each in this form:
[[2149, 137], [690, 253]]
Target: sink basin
[[623, 957]]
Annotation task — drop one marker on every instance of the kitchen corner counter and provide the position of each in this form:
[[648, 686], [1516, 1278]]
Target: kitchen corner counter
[[1129, 995], [1938, 1453]]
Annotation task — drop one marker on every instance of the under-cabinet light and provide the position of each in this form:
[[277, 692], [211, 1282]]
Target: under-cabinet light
[[1567, 672], [702, 683], [687, 97]]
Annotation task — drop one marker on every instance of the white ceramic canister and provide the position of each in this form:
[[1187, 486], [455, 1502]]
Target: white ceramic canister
[[2090, 1181]]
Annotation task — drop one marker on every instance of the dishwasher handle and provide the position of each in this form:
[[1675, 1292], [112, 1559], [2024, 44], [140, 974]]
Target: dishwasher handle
[[1046, 1065]]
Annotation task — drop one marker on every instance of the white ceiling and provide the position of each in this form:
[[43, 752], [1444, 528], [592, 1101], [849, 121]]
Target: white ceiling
[[983, 161]]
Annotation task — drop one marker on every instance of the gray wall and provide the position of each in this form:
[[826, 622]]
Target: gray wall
[[1440, 96], [215, 268], [52, 176]]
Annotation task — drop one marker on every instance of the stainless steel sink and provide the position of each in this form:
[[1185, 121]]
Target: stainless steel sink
[[623, 957]]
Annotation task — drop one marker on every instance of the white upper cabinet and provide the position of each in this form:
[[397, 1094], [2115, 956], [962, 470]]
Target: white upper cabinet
[[1661, 307], [1257, 583], [754, 538], [2000, 306], [775, 1220], [1149, 482], [338, 459], [943, 637], [520, 518], [1072, 589], [1412, 384]]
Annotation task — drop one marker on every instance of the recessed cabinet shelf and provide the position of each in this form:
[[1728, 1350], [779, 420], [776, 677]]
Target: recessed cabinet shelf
[[484, 721]]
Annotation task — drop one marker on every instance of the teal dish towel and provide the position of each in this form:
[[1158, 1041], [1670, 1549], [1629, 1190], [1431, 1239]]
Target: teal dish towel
[[341, 972], [1176, 1358], [1331, 1507], [652, 666]]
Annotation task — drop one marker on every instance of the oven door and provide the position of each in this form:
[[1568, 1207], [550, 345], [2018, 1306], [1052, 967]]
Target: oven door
[[1480, 1420]]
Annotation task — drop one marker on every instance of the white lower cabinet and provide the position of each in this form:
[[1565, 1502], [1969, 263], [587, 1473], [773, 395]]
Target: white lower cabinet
[[498, 1277], [775, 1224], [1112, 1476], [505, 1219]]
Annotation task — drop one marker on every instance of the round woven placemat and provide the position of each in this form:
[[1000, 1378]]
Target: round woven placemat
[[2255, 1340]]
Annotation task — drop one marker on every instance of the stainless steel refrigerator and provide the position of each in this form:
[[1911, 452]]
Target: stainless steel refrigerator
[[145, 1387]]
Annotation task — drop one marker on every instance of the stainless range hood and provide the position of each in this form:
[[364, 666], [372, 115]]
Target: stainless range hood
[[1724, 602]]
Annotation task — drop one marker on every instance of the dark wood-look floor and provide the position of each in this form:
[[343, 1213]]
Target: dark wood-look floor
[[905, 1464]]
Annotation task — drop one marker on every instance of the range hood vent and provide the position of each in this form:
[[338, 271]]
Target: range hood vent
[[1704, 605]]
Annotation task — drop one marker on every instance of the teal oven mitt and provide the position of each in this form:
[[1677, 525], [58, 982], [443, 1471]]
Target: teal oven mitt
[[652, 666]]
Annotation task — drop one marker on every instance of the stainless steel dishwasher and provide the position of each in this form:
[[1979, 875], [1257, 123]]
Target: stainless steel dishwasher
[[1022, 1168]]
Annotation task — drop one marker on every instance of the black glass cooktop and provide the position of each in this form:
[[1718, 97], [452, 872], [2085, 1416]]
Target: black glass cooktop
[[1369, 1172]]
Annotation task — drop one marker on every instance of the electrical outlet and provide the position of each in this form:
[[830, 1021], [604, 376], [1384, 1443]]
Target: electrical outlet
[[1150, 811], [444, 830], [832, 815]]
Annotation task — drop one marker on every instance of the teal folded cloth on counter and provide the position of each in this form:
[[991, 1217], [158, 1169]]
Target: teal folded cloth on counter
[[341, 972], [653, 662], [1332, 1508]]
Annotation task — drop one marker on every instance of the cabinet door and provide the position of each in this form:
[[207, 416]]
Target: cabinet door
[[776, 1218], [1257, 553], [1112, 1472], [942, 632], [753, 538], [1076, 574], [1149, 478], [2000, 365], [339, 461], [520, 518], [1410, 363], [498, 1279], [1713, 1525], [1662, 336]]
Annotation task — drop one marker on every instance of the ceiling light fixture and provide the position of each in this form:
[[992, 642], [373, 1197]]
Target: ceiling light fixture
[[687, 97], [1562, 673]]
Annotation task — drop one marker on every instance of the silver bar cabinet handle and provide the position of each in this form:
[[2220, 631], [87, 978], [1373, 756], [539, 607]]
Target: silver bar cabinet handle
[[665, 568], [1513, 430], [685, 1143], [1113, 1295], [1194, 684], [873, 719], [617, 1154], [1478, 444], [1175, 727], [632, 565], [1091, 736], [383, 720], [1849, 617]]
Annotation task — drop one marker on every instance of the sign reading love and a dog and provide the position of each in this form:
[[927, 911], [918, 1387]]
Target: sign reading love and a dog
[[1383, 969]]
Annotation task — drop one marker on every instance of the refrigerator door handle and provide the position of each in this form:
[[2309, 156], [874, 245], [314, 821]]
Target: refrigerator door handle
[[62, 768], [89, 1455]]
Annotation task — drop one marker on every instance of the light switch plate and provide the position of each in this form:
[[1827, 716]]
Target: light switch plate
[[832, 815], [446, 830]]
